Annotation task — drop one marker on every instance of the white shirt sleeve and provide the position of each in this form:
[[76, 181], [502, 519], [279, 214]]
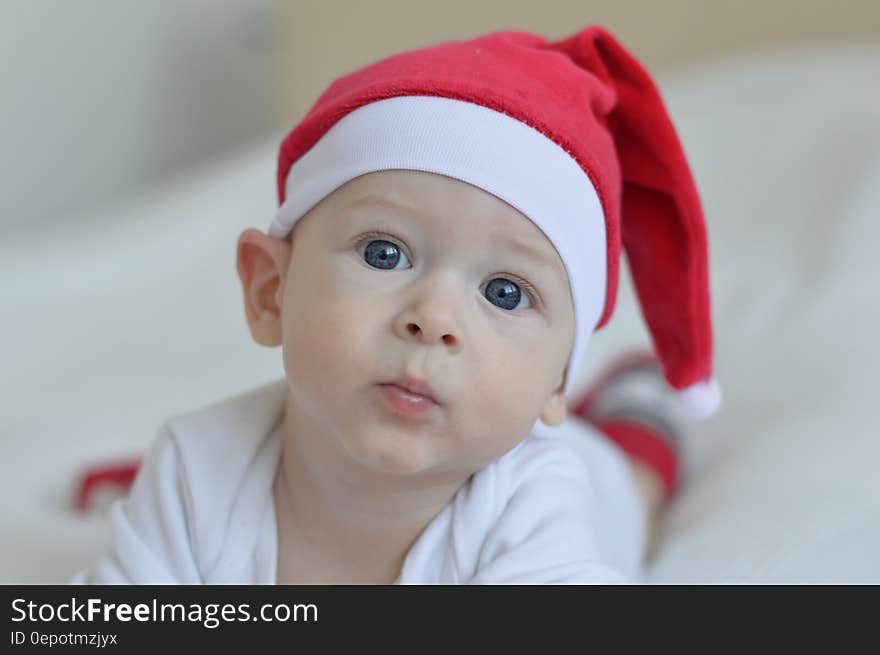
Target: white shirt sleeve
[[549, 529], [150, 528]]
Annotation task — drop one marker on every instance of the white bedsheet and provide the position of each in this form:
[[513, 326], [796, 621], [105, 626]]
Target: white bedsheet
[[112, 324]]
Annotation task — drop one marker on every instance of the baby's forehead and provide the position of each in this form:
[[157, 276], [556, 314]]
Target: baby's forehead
[[439, 200]]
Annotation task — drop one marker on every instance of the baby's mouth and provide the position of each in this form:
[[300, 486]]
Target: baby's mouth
[[414, 388], [404, 401]]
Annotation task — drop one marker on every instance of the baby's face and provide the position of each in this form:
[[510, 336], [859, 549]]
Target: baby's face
[[408, 273]]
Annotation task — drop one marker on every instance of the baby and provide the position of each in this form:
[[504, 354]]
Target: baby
[[447, 241]]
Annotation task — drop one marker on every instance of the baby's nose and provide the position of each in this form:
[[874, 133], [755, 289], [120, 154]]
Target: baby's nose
[[437, 335]]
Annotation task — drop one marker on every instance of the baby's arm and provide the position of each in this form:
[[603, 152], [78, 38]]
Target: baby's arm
[[150, 531]]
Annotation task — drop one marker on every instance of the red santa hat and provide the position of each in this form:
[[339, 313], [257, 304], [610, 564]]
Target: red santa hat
[[571, 133]]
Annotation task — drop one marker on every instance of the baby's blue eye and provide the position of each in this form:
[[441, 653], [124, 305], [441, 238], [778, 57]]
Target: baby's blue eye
[[383, 254], [500, 291], [507, 293]]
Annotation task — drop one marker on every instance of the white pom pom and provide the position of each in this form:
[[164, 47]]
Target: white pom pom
[[700, 400]]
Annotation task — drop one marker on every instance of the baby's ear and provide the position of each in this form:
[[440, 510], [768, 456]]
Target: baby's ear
[[555, 408], [262, 263]]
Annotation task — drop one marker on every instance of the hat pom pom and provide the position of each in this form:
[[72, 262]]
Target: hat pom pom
[[700, 400]]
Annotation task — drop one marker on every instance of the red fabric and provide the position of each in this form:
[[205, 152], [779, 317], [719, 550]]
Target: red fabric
[[645, 445], [595, 100], [120, 475]]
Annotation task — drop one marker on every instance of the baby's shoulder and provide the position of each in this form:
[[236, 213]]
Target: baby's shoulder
[[207, 462], [227, 431], [173, 525], [207, 453], [573, 449], [536, 513]]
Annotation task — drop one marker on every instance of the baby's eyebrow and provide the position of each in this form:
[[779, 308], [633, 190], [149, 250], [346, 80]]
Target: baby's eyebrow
[[372, 199], [530, 252], [537, 255]]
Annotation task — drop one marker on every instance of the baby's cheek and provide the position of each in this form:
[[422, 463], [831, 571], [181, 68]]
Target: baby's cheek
[[324, 341], [510, 375], [499, 419]]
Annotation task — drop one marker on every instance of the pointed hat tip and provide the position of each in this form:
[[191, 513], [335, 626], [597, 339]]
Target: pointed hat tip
[[700, 400]]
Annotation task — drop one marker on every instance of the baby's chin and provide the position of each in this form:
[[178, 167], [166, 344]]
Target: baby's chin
[[394, 455], [421, 463], [401, 455]]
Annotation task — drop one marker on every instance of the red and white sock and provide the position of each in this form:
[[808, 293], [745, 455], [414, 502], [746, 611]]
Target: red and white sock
[[633, 405]]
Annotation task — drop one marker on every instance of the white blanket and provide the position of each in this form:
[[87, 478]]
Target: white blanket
[[115, 322]]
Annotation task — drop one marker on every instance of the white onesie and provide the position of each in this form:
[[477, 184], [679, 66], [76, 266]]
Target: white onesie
[[561, 507]]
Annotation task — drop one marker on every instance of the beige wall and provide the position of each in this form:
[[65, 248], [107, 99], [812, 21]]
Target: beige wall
[[328, 38]]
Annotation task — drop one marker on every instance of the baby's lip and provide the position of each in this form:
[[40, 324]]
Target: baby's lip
[[416, 386]]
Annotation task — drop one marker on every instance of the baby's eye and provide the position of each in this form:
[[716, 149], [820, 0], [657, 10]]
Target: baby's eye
[[505, 293], [383, 254], [500, 291]]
